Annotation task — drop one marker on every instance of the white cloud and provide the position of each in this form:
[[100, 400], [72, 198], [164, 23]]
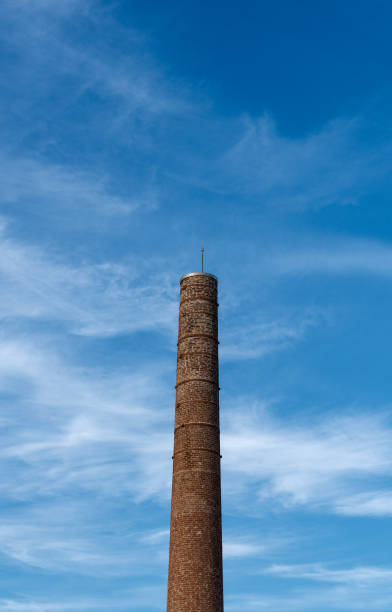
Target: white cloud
[[256, 340], [40, 184], [358, 575], [237, 549], [336, 165], [70, 428], [372, 503], [93, 300], [41, 546], [340, 597], [359, 588], [139, 598], [75, 442], [156, 536], [69, 536], [321, 465], [339, 256], [11, 605], [42, 33]]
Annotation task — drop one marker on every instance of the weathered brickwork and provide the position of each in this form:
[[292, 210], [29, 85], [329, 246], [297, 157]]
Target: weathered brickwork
[[195, 563]]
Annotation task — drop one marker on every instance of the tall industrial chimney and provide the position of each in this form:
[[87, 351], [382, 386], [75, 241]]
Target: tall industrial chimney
[[195, 564]]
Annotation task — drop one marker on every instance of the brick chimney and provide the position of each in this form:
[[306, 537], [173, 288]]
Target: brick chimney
[[195, 564]]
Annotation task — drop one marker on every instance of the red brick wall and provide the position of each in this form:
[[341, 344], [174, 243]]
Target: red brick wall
[[195, 564]]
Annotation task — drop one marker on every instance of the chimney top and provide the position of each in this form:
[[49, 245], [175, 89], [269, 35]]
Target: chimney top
[[198, 274]]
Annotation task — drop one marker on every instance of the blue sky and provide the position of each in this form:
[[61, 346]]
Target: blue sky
[[131, 133]]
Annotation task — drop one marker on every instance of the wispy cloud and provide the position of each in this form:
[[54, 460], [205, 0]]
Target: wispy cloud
[[238, 549], [140, 598], [323, 465], [44, 32], [75, 444], [318, 572], [358, 588], [94, 300], [253, 546], [332, 598], [256, 340], [104, 432], [70, 538], [11, 605], [348, 255], [43, 546], [371, 503], [336, 165], [38, 184]]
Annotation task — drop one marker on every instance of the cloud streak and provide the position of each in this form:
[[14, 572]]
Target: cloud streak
[[347, 256], [45, 30], [93, 300], [336, 165], [359, 576], [326, 465], [102, 431], [39, 184], [253, 341]]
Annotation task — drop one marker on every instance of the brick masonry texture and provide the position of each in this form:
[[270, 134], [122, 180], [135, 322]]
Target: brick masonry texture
[[195, 562]]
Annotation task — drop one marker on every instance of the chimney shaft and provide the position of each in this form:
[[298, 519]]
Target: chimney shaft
[[195, 564]]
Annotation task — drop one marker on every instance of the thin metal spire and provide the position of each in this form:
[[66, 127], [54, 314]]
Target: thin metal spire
[[202, 257]]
